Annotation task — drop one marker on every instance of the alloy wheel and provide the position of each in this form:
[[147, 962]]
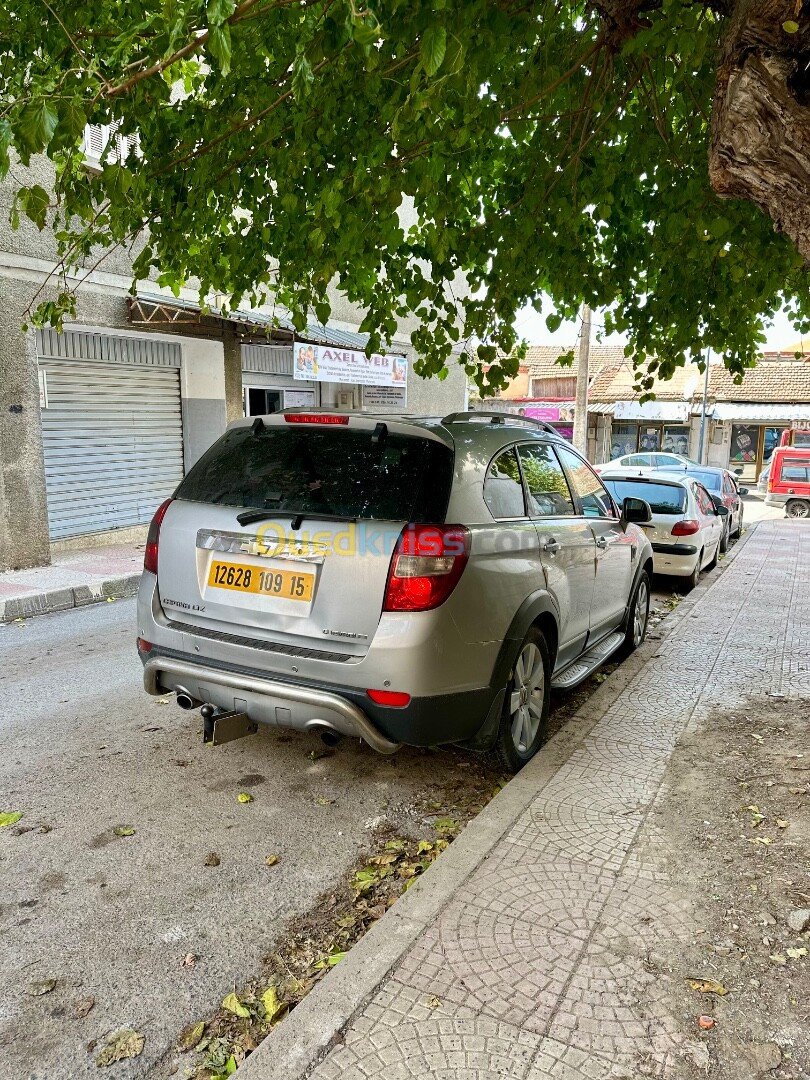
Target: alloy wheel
[[798, 510], [641, 613], [527, 693]]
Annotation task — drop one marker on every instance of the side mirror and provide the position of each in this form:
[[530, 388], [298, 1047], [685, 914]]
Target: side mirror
[[719, 506], [636, 510], [743, 491]]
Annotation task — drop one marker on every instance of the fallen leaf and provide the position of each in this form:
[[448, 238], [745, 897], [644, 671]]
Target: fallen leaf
[[433, 1003], [707, 986], [244, 797], [796, 954], [706, 1022], [45, 829], [124, 830], [324, 802], [189, 960], [234, 1005], [778, 958], [162, 701], [190, 1036], [782, 823], [760, 840], [271, 860], [121, 1044], [211, 859], [273, 1008], [40, 987], [313, 755], [111, 599], [10, 817], [755, 736], [82, 1008]]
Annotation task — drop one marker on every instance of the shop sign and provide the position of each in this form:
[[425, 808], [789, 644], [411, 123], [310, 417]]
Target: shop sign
[[327, 363], [651, 410], [294, 399], [800, 425], [385, 397]]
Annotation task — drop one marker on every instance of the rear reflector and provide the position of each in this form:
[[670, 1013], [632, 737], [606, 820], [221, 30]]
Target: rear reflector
[[316, 418], [687, 527], [426, 566], [144, 645], [389, 697], [150, 555]]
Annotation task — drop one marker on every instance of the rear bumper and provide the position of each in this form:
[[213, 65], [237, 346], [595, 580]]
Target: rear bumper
[[306, 705], [677, 560], [779, 500]]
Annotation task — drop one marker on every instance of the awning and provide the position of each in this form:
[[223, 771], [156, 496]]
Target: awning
[[652, 410], [601, 408], [158, 310], [731, 410]]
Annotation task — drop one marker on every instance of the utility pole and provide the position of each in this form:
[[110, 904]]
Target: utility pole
[[581, 406], [703, 408]]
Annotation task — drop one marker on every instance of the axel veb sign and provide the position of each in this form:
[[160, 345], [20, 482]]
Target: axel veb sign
[[326, 363]]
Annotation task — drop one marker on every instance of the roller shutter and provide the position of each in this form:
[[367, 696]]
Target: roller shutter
[[112, 429]]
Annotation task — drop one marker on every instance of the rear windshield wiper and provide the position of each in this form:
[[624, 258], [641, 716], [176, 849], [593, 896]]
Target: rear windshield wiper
[[248, 517]]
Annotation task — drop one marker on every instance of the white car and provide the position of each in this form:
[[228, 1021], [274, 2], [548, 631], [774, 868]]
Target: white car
[[643, 461], [687, 524]]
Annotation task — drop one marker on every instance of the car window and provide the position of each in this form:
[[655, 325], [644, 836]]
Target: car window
[[795, 471], [705, 504], [546, 485], [586, 485], [663, 498], [666, 459], [331, 470], [639, 460], [710, 480], [503, 490]]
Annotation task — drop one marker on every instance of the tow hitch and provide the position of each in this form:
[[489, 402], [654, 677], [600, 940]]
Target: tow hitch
[[222, 726]]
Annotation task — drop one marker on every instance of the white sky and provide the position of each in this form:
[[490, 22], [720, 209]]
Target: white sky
[[532, 326]]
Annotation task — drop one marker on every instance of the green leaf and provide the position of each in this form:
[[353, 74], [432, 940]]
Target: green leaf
[[219, 45], [302, 77], [217, 11], [37, 124], [244, 797], [124, 830], [433, 48], [10, 817], [322, 311], [790, 27]]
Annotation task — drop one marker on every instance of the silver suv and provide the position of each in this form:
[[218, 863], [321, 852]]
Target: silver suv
[[402, 579]]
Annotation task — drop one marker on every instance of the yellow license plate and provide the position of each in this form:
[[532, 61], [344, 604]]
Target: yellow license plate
[[285, 584]]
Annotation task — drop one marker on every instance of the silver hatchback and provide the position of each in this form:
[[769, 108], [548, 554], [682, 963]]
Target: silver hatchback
[[402, 579]]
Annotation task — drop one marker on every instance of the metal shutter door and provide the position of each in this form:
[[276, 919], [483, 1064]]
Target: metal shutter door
[[113, 442]]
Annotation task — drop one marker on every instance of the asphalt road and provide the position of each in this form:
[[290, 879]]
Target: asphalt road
[[85, 750]]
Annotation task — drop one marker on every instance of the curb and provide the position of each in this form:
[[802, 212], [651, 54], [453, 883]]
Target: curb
[[25, 607], [292, 1049]]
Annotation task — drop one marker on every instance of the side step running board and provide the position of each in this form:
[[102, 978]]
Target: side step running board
[[586, 664]]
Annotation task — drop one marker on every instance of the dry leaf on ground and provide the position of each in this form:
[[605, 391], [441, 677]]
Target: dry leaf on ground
[[234, 1005], [40, 987], [707, 986], [121, 1044]]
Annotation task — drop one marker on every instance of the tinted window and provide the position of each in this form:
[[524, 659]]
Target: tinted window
[[503, 491], [712, 481], [548, 491], [586, 485], [663, 498], [704, 500], [642, 460], [319, 470]]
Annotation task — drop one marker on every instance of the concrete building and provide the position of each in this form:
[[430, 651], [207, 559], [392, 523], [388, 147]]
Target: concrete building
[[98, 424]]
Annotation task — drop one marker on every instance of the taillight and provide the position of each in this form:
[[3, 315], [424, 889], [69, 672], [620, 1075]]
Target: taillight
[[390, 697], [144, 645], [770, 482], [316, 418], [686, 527], [426, 566], [150, 556]]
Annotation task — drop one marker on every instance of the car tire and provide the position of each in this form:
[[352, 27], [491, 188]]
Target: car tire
[[693, 579], [711, 565], [638, 615], [798, 508], [738, 532], [725, 538], [524, 718]]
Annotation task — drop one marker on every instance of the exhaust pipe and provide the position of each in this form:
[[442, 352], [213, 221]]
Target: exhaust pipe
[[330, 737], [185, 700]]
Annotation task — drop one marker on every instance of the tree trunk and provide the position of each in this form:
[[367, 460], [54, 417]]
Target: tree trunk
[[760, 143]]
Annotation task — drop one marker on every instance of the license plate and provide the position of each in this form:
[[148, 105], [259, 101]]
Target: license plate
[[286, 584]]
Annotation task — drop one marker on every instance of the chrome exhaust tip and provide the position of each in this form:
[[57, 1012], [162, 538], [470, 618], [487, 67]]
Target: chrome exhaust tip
[[185, 700]]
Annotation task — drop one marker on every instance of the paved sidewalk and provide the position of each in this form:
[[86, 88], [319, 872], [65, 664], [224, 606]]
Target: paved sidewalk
[[73, 579], [521, 952]]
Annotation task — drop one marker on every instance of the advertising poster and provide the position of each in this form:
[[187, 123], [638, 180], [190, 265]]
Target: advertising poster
[[327, 363]]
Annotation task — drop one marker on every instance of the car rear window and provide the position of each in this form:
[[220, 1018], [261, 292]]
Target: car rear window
[[318, 470], [663, 498], [710, 480], [795, 469]]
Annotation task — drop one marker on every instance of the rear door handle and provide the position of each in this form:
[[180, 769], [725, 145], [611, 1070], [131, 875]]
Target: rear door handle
[[552, 546], [601, 542]]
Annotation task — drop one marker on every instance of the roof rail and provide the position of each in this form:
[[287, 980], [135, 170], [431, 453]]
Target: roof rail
[[498, 418]]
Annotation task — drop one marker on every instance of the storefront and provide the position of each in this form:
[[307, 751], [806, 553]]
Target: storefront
[[559, 414], [650, 425], [751, 432]]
